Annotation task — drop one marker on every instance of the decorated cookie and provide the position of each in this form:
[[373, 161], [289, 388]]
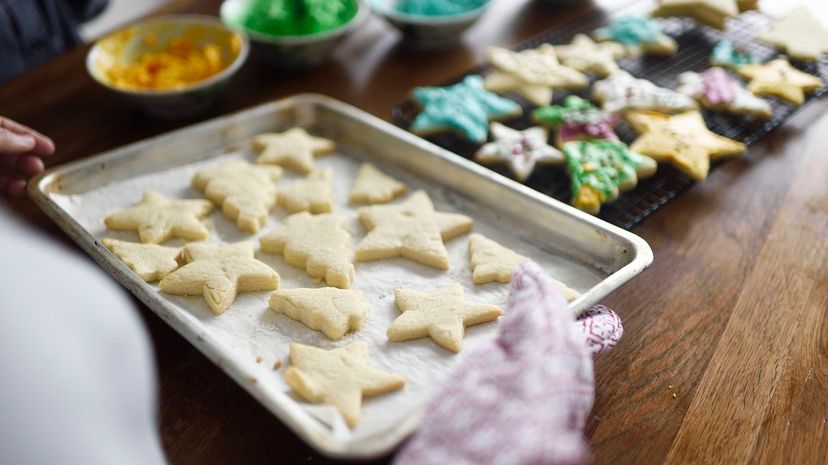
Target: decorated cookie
[[465, 107], [294, 149], [600, 169], [219, 272], [339, 377], [373, 186], [333, 311], [577, 119], [314, 193], [319, 243], [717, 90], [158, 218], [779, 79], [149, 261], [521, 150], [442, 316], [710, 12], [245, 192], [587, 56], [639, 35], [728, 55], [800, 34], [622, 92], [682, 140]]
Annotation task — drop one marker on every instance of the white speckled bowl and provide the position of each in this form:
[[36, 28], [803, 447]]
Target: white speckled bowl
[[428, 31]]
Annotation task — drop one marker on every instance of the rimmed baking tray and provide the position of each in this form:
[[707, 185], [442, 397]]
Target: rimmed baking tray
[[589, 254]]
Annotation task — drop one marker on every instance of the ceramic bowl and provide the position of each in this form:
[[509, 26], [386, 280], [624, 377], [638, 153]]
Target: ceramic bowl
[[428, 31]]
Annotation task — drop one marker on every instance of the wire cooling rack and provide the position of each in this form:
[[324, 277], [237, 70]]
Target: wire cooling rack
[[695, 44]]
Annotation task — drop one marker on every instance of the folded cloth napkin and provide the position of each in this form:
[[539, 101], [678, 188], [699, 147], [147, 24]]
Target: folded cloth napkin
[[522, 399]]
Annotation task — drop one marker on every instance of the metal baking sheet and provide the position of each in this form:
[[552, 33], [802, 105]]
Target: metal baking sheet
[[588, 254]]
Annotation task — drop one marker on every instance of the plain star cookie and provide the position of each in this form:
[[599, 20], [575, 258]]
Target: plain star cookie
[[442, 316], [339, 377], [158, 218], [638, 35], [715, 89], [219, 272], [314, 193], [372, 186], [710, 12], [622, 92], [682, 140], [294, 149], [779, 79], [800, 34], [333, 311], [319, 243], [411, 229], [149, 261], [587, 56], [245, 192], [521, 150]]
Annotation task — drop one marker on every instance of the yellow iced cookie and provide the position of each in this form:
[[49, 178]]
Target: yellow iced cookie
[[158, 218], [333, 311], [780, 79], [149, 261], [373, 186], [294, 149], [314, 193]]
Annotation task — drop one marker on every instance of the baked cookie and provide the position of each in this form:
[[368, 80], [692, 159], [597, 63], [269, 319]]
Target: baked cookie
[[333, 311], [587, 56], [245, 192], [779, 79], [158, 218], [294, 149], [372, 186], [800, 34], [715, 89], [577, 119], [411, 229], [339, 377], [314, 193], [639, 35], [710, 12], [465, 107], [728, 55], [601, 169], [219, 272], [622, 92], [149, 261], [521, 150], [442, 316], [319, 243], [682, 140]]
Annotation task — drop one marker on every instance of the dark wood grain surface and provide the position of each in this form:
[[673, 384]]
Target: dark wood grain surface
[[725, 354]]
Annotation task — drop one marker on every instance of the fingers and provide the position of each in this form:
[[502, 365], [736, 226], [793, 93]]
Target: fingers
[[43, 146], [13, 145], [29, 165], [13, 187]]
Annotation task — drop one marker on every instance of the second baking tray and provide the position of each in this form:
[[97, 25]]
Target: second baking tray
[[590, 255]]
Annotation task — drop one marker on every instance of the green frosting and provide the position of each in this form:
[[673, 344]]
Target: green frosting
[[727, 54], [294, 17], [465, 107], [632, 30], [603, 165], [437, 7], [574, 110]]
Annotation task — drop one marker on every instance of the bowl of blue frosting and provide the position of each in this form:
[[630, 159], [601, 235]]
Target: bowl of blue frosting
[[431, 23]]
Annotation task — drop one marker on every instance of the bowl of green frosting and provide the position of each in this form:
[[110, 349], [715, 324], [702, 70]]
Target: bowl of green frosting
[[431, 23], [294, 33]]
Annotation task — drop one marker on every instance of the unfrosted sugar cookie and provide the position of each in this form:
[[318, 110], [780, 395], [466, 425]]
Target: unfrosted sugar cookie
[[372, 186], [800, 34], [639, 35], [294, 149], [710, 12], [149, 261], [779, 79], [622, 92], [521, 150], [577, 119], [587, 56], [334, 312], [157, 219], [314, 193], [717, 90]]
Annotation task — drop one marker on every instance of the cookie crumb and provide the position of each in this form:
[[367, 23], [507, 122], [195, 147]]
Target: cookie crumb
[[259, 359], [670, 387], [277, 365], [674, 395]]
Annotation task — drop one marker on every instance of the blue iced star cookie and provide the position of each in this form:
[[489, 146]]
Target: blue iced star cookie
[[638, 34], [465, 107]]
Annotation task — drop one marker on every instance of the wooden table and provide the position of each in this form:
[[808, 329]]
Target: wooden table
[[725, 356]]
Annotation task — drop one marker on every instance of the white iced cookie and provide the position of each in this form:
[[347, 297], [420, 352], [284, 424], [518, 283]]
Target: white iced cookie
[[319, 243], [800, 34], [314, 193], [442, 316], [339, 377], [588, 56], [149, 261], [411, 229], [333, 311], [521, 150], [245, 192], [717, 90], [710, 12], [219, 272], [620, 92], [294, 149], [158, 218], [372, 186]]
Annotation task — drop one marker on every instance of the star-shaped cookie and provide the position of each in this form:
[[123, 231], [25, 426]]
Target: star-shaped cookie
[[465, 107], [314, 193], [621, 91], [411, 229], [149, 261], [158, 218], [333, 311], [219, 272], [587, 56], [294, 149], [442, 316], [339, 377], [682, 140], [780, 79], [372, 186], [319, 243], [715, 89], [245, 192], [800, 34], [639, 35], [710, 12], [521, 150]]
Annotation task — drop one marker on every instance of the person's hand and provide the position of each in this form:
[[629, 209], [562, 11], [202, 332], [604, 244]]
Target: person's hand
[[21, 149]]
